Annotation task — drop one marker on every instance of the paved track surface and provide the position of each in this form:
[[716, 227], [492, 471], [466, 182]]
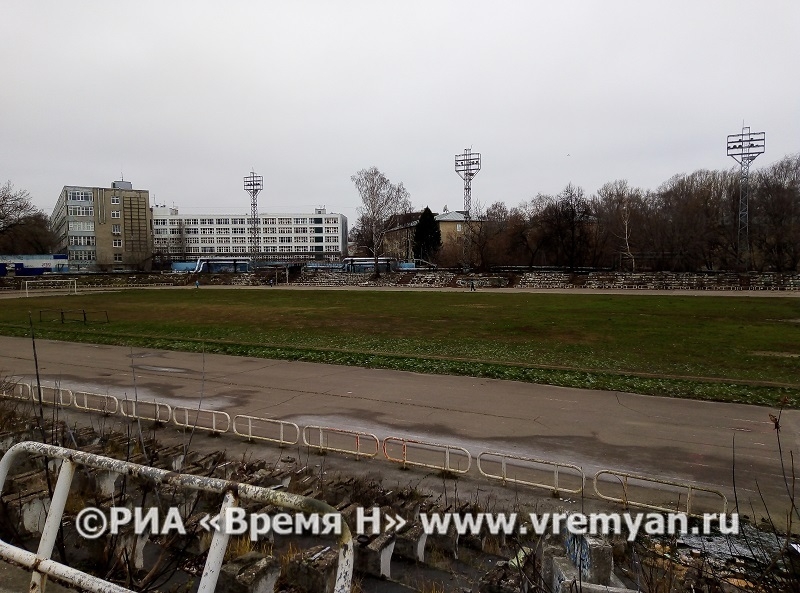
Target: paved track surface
[[668, 438]]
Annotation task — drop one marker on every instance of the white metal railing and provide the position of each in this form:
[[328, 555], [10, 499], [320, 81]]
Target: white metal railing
[[280, 425], [411, 451], [133, 408], [437, 448], [108, 403], [210, 420], [42, 565], [358, 439], [555, 487], [52, 396], [625, 500], [21, 391]]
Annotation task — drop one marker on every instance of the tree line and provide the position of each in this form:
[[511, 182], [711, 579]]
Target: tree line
[[689, 223]]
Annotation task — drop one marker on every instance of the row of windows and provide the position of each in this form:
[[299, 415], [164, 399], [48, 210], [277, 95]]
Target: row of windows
[[80, 210], [89, 211], [242, 249], [245, 240], [83, 255], [79, 195], [244, 221], [299, 230], [81, 225], [76, 240]]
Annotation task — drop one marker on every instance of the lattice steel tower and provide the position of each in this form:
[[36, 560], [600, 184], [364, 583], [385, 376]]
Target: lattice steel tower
[[467, 166], [253, 184], [744, 148]]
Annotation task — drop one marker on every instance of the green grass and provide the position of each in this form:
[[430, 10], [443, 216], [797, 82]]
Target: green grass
[[725, 348]]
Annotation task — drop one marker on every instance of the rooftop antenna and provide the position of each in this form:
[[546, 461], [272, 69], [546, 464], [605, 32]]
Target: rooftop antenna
[[744, 148]]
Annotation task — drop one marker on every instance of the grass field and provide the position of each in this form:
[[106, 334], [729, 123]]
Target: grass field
[[724, 348]]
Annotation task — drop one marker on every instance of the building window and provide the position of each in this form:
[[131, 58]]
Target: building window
[[159, 222], [237, 220], [116, 229], [115, 199], [458, 227], [80, 211], [206, 250], [269, 221], [83, 255], [284, 239], [117, 257], [83, 241], [299, 220], [115, 214], [81, 225], [80, 196], [300, 230], [223, 221], [284, 221], [117, 243]]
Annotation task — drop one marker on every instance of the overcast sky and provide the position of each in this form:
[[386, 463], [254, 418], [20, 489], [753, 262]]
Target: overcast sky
[[185, 98]]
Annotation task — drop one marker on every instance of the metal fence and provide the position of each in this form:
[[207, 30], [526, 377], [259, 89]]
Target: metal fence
[[42, 565]]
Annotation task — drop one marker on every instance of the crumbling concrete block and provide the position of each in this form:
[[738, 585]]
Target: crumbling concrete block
[[27, 512], [373, 556], [567, 579], [410, 543], [592, 555], [314, 571], [249, 573]]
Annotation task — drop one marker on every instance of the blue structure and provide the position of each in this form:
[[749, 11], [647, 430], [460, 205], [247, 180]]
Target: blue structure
[[214, 265], [34, 265]]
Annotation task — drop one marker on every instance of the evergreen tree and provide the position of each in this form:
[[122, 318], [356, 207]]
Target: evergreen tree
[[427, 236]]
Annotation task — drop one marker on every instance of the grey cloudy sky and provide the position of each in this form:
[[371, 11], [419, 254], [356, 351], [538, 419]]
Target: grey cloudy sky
[[185, 98]]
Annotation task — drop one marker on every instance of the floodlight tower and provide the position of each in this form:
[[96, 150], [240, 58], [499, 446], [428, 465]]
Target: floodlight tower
[[253, 184], [744, 148], [467, 166]]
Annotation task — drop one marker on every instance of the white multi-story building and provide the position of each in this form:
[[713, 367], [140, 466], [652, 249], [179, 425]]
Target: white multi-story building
[[317, 235]]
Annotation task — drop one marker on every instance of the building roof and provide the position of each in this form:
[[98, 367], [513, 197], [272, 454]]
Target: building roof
[[453, 216]]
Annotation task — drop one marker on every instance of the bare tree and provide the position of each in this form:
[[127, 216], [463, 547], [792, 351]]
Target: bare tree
[[15, 207], [382, 202]]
